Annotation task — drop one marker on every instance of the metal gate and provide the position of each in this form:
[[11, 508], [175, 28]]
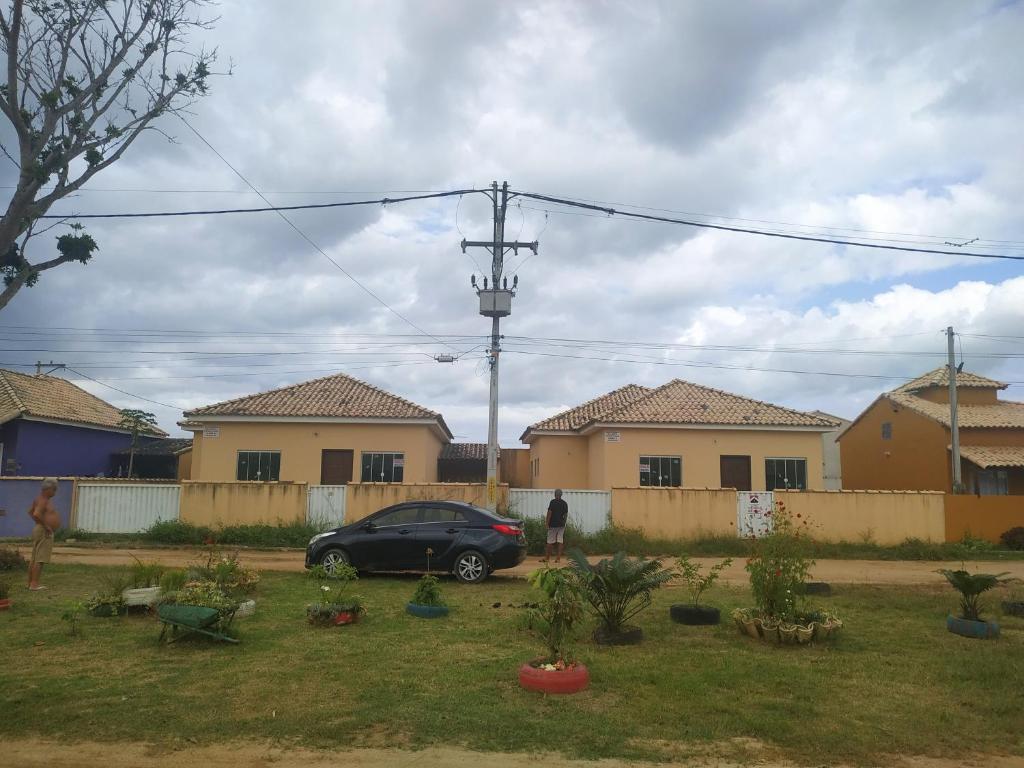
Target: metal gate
[[326, 507], [125, 507], [588, 510], [753, 513]]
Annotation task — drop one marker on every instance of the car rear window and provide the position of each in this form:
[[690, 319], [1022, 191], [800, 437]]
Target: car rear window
[[441, 515]]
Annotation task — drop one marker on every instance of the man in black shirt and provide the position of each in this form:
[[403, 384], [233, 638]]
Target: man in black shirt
[[558, 515]]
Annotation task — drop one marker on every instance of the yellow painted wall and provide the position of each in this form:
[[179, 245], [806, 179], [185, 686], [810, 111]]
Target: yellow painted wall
[[701, 451], [563, 461], [675, 513], [215, 459], [220, 504], [964, 395], [914, 459], [985, 517], [889, 517], [514, 467], [362, 499], [185, 466]]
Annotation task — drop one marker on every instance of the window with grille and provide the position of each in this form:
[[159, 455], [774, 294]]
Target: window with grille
[[785, 473], [661, 470], [383, 467], [887, 430], [260, 466]]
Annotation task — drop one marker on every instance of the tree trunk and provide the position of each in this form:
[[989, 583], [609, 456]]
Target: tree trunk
[[13, 288]]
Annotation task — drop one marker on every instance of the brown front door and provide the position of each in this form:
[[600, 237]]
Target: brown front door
[[736, 472], [336, 467]]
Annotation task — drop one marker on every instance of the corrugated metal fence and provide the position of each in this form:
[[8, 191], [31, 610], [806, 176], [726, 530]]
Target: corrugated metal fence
[[125, 507], [326, 505], [589, 510]]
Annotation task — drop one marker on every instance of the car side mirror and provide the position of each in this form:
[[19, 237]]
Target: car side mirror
[[369, 525]]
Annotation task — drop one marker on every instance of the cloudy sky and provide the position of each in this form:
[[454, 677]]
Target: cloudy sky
[[899, 122]]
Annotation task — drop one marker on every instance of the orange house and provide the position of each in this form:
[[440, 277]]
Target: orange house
[[903, 440]]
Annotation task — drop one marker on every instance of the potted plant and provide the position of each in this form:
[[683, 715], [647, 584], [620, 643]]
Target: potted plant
[[617, 589], [5, 595], [971, 587], [144, 584], [427, 602], [694, 613], [335, 604], [554, 616], [109, 599]]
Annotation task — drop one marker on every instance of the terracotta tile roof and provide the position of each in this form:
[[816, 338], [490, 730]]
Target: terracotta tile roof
[[1004, 414], [994, 456], [940, 378], [574, 418], [475, 451], [337, 396], [681, 403], [51, 397]]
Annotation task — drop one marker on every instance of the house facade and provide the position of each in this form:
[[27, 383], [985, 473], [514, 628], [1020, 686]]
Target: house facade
[[680, 434], [902, 441], [330, 431], [50, 427]]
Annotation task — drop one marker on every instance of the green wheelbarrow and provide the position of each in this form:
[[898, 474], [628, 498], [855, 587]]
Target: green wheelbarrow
[[184, 620]]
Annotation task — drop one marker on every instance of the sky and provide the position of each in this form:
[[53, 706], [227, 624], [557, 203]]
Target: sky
[[898, 122]]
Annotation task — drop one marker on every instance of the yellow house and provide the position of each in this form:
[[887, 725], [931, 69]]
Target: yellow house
[[329, 431], [679, 434]]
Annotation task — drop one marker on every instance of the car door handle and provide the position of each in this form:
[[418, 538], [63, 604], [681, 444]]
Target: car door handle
[[404, 531], [452, 530]]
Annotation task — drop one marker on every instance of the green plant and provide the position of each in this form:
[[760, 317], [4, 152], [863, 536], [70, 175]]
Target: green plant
[[560, 608], [619, 587], [695, 582], [72, 616], [206, 594], [779, 567], [105, 604], [428, 592], [11, 559], [145, 574], [172, 581], [1013, 538], [114, 582], [335, 597], [971, 587]]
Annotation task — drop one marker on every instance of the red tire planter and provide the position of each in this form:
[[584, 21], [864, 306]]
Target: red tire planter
[[559, 681], [346, 617], [5, 604]]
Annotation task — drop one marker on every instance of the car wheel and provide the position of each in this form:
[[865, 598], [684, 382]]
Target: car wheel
[[332, 558], [471, 567]]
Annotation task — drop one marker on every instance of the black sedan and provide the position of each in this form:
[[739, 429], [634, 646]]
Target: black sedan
[[465, 540]]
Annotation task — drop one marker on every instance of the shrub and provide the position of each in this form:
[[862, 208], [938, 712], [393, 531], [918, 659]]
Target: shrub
[[779, 566], [1013, 538], [695, 582], [145, 574], [617, 588], [558, 611], [177, 532], [428, 592], [172, 581], [11, 559], [971, 586]]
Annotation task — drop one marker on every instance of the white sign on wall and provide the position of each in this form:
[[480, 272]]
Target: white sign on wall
[[211, 431], [613, 437]]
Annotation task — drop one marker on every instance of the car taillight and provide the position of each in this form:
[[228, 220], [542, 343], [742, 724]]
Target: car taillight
[[508, 530]]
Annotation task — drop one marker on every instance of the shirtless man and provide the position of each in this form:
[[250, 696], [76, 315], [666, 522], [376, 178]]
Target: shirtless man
[[47, 521]]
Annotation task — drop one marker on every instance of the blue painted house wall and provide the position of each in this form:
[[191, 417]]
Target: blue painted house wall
[[16, 497], [45, 449]]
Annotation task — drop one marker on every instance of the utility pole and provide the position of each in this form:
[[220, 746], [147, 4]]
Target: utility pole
[[954, 425], [495, 303]]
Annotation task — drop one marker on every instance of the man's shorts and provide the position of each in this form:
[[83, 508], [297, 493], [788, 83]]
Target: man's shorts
[[556, 535], [42, 544]]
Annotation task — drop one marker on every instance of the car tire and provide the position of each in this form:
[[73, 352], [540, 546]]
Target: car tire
[[471, 567], [333, 558]]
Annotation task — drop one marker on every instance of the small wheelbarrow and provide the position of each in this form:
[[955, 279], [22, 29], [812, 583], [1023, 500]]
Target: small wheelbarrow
[[184, 620]]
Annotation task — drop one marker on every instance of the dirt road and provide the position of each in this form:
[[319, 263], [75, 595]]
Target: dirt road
[[31, 753], [832, 571]]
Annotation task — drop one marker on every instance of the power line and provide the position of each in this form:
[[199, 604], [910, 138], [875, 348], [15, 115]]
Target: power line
[[123, 392], [762, 232]]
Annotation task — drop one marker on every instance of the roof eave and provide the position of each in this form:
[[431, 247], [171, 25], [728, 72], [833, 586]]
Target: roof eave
[[594, 426]]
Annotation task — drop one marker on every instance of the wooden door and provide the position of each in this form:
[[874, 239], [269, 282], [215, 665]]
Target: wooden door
[[736, 472], [335, 467]]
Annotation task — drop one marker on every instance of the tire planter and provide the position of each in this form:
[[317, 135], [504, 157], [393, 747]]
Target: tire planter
[[345, 617], [558, 681], [1013, 608], [5, 604], [426, 611], [969, 628], [144, 596], [106, 611], [695, 615], [628, 636]]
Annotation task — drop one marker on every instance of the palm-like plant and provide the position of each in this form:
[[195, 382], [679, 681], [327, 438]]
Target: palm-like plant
[[971, 586], [618, 588]]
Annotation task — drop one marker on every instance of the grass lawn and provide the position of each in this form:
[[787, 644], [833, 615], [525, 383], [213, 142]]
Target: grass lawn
[[895, 682]]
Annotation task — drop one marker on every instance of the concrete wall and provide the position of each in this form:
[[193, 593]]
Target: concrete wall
[[514, 467], [563, 462], [362, 499], [701, 451], [221, 504], [215, 459], [984, 517], [914, 459], [675, 513], [185, 465], [38, 448], [16, 495], [886, 517]]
